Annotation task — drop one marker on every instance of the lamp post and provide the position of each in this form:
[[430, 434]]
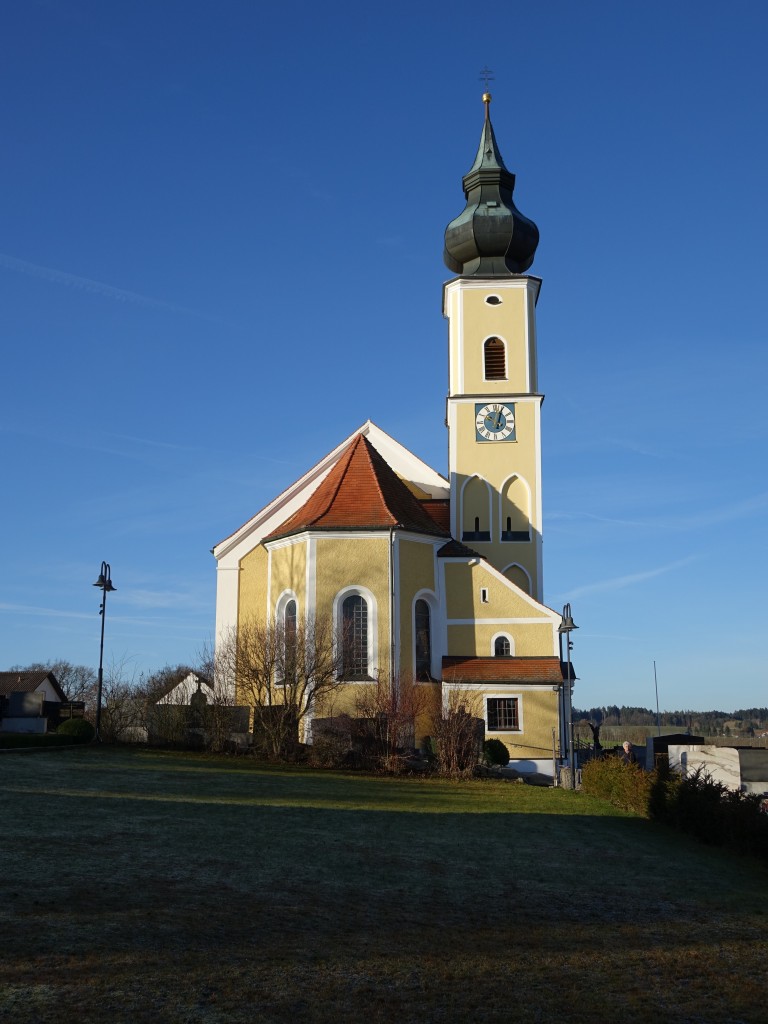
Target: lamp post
[[104, 583], [565, 629]]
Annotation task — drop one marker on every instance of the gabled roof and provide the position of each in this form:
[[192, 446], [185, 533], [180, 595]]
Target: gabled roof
[[28, 682], [361, 492], [505, 670], [405, 464], [190, 678], [184, 688]]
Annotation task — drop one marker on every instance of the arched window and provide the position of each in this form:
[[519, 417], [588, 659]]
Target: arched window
[[354, 626], [423, 632], [502, 647], [495, 359], [289, 640], [289, 620]]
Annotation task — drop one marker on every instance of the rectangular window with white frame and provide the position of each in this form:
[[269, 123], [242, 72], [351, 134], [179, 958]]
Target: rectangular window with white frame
[[503, 714]]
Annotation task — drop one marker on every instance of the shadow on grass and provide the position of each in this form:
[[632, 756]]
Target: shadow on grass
[[146, 888]]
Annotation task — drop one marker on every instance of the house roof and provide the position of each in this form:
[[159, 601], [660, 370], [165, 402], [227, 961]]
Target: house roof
[[193, 678], [362, 491], [28, 682], [504, 670]]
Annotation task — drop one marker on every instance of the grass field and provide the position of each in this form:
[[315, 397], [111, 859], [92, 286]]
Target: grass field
[[143, 887]]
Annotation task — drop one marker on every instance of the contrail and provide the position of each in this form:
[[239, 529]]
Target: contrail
[[87, 284]]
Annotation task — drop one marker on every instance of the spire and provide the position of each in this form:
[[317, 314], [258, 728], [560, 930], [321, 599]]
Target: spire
[[491, 238]]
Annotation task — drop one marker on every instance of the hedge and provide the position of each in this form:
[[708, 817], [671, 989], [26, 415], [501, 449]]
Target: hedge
[[695, 804]]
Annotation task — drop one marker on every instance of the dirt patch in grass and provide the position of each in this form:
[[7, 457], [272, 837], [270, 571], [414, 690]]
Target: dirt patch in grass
[[143, 887]]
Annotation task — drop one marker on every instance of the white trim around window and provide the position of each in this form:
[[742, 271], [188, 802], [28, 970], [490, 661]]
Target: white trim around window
[[373, 625], [505, 636], [504, 696]]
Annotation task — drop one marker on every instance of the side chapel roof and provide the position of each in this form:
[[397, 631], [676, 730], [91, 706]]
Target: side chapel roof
[[361, 492], [458, 669]]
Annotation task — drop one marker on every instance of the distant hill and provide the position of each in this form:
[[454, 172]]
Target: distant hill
[[745, 724]]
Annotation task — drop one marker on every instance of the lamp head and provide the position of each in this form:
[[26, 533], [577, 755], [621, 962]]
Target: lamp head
[[104, 582], [567, 623]]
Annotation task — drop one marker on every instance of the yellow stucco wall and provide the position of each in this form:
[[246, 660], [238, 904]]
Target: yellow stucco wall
[[252, 591], [361, 561], [498, 463], [416, 567], [463, 583], [530, 640], [506, 321], [288, 571], [538, 717]]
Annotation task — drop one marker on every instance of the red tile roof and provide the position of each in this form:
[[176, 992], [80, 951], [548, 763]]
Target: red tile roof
[[440, 510], [361, 492], [504, 670]]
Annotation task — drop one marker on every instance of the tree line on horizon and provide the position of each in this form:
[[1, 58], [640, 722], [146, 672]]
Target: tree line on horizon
[[709, 723]]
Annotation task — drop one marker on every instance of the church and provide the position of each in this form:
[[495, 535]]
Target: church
[[434, 578]]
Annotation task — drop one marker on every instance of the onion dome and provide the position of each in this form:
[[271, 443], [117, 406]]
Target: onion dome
[[491, 238]]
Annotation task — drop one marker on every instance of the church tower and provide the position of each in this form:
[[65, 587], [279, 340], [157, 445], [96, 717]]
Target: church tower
[[493, 405]]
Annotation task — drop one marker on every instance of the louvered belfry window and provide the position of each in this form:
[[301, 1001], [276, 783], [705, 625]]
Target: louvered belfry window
[[495, 360]]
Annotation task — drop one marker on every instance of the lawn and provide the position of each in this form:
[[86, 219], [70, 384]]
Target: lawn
[[151, 887]]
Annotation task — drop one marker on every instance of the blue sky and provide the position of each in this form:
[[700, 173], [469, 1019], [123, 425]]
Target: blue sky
[[215, 214]]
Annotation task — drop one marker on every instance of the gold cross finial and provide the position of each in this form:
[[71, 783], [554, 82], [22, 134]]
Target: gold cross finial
[[486, 75]]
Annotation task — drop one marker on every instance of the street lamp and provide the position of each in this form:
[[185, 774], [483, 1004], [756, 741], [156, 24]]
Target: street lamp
[[565, 629], [104, 583]]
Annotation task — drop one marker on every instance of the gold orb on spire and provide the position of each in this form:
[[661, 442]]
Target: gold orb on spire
[[487, 97]]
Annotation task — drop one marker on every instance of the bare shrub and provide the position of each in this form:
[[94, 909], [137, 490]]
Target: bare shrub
[[459, 732], [283, 676], [391, 708]]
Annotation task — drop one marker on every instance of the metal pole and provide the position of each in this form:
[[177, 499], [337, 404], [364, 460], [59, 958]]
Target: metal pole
[[570, 710], [554, 756], [656, 684], [104, 583], [102, 613]]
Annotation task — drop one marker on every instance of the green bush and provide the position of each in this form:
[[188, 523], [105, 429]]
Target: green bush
[[624, 785], [80, 730], [695, 803], [716, 815], [495, 752]]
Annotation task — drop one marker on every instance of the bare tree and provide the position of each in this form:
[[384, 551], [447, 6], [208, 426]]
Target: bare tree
[[392, 706], [459, 731], [284, 675], [124, 706]]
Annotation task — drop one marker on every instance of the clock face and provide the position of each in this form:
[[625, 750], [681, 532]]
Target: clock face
[[495, 422]]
